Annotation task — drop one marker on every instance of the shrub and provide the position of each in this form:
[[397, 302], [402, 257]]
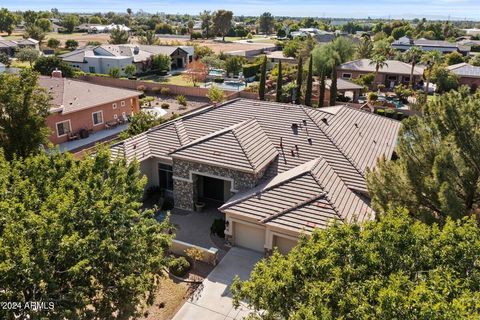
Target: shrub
[[372, 96], [218, 80], [165, 105], [380, 112], [179, 266], [390, 113], [182, 100], [381, 87], [165, 91], [249, 36], [196, 35], [218, 228], [250, 70]]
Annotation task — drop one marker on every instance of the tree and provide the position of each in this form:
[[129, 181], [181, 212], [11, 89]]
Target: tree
[[278, 97], [196, 72], [379, 61], [46, 65], [8, 21], [364, 48], [298, 90], [222, 22], [148, 38], [308, 91], [119, 36], [34, 32], [164, 28], [114, 72], [24, 108], [216, 95], [413, 56], [383, 48], [162, 62], [71, 44], [454, 58], [29, 55], [70, 21], [95, 20], [53, 43], [445, 79], [342, 51], [430, 59], [263, 79], [395, 268], [130, 70], [29, 18], [141, 122], [206, 18], [195, 254], [438, 163], [266, 23], [5, 59], [475, 61], [76, 234], [324, 61], [213, 61], [44, 24], [233, 65]]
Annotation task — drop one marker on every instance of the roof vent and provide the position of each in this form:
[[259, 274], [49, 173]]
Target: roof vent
[[294, 126], [310, 141], [304, 122], [356, 125], [324, 120]]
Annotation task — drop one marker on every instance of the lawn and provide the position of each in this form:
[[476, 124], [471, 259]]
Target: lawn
[[178, 80], [20, 64], [169, 298]]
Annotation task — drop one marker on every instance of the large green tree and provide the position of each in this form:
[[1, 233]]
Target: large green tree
[[222, 22], [119, 36], [437, 173], [263, 79], [308, 90], [278, 97], [7, 21], [70, 22], [46, 65], [74, 233], [298, 89], [266, 23], [29, 55], [413, 56], [23, 109], [395, 268]]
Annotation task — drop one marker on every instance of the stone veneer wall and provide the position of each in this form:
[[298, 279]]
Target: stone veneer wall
[[185, 192]]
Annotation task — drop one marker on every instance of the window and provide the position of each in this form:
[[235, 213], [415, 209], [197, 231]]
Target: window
[[122, 104], [97, 118], [165, 175], [115, 116], [91, 69], [124, 114], [114, 105], [406, 79], [392, 78], [63, 128], [346, 75]]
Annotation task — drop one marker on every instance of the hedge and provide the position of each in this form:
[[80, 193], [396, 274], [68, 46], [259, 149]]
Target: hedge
[[250, 70]]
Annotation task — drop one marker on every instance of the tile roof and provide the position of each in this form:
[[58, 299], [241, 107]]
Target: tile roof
[[308, 196], [343, 84], [393, 66], [465, 70], [73, 95], [243, 146]]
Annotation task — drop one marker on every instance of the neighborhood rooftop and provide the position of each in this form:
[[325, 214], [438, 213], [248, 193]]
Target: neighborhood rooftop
[[392, 66], [74, 95], [278, 139], [465, 69]]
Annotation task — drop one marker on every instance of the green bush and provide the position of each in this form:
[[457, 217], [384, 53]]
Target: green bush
[[372, 96], [390, 113], [250, 70], [165, 91], [165, 105], [218, 228], [380, 112], [182, 100], [179, 266]]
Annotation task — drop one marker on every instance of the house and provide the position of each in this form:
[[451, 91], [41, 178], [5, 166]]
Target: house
[[98, 28], [345, 88], [101, 59], [467, 74], [393, 73], [405, 43], [81, 106], [317, 34], [275, 170], [9, 47]]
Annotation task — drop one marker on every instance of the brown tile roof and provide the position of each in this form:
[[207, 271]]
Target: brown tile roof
[[465, 70], [308, 196], [73, 95], [243, 146]]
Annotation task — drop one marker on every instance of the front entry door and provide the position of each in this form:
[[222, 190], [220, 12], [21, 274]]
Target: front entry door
[[213, 189]]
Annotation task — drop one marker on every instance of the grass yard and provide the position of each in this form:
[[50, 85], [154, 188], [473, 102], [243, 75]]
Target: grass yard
[[20, 64], [169, 298], [178, 80]]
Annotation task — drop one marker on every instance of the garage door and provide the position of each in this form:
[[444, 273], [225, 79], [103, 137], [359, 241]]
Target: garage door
[[249, 237], [284, 245]]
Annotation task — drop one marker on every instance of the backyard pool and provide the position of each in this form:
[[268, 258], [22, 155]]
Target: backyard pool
[[216, 72], [228, 85]]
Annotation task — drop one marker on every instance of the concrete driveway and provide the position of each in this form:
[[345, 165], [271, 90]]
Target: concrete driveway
[[213, 299]]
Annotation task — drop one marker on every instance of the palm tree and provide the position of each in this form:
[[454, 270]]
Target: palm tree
[[431, 59], [413, 56], [364, 49], [379, 61]]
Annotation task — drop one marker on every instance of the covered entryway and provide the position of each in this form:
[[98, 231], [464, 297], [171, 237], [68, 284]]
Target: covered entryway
[[248, 236], [215, 189], [284, 245]]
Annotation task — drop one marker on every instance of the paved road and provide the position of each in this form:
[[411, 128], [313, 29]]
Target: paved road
[[213, 299]]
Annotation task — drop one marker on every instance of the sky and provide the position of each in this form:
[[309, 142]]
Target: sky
[[430, 9]]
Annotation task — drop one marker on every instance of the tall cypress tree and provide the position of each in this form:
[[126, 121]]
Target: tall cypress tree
[[263, 77], [308, 92], [321, 95], [298, 91], [279, 83], [333, 87]]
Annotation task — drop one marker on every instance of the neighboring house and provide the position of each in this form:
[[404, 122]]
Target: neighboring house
[[98, 28], [79, 105], [317, 34], [344, 88], [102, 58], [276, 56], [275, 170], [11, 46], [394, 73], [405, 43], [472, 32], [467, 74]]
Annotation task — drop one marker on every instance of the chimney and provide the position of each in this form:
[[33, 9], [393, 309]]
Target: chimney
[[57, 73]]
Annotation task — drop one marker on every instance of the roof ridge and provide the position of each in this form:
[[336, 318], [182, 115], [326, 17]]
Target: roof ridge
[[240, 142], [354, 165], [178, 125], [296, 206]]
